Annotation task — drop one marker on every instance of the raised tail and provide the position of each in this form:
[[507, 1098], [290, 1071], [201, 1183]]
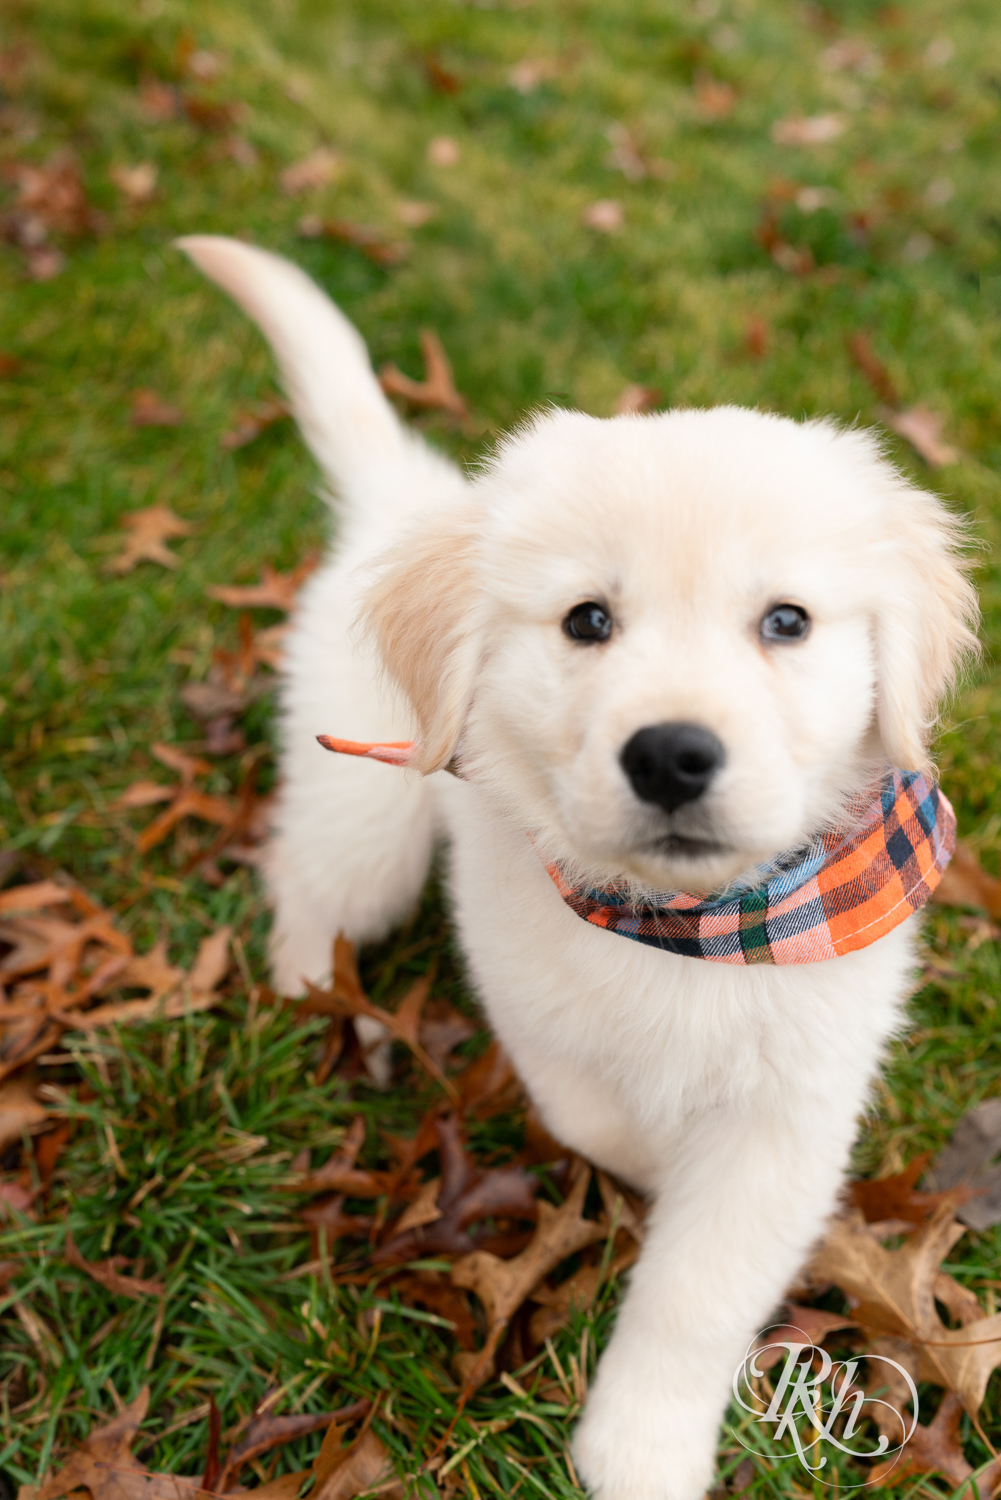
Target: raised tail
[[347, 423]]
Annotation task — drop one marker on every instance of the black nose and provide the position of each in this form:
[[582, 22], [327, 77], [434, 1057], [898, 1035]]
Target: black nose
[[671, 763]]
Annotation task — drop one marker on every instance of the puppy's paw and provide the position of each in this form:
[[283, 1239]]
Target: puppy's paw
[[637, 1444]]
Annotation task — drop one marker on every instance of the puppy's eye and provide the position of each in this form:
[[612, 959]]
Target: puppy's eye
[[588, 622], [785, 622]]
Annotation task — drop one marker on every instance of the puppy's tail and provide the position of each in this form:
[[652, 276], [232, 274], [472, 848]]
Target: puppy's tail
[[336, 399]]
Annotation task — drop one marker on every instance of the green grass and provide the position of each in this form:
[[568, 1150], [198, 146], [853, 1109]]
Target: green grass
[[532, 307]]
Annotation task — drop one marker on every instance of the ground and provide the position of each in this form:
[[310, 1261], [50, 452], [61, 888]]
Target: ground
[[725, 263]]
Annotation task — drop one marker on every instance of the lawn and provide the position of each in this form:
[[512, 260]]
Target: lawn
[[731, 259]]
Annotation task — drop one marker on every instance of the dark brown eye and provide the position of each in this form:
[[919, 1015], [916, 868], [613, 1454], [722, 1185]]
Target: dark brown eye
[[785, 622], [588, 622]]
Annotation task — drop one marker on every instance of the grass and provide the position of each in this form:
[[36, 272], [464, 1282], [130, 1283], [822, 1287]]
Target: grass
[[532, 307]]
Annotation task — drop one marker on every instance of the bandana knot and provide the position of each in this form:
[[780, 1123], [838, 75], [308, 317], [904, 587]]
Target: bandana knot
[[843, 891]]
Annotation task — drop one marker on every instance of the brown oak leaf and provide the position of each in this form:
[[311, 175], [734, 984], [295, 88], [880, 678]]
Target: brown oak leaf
[[149, 530]]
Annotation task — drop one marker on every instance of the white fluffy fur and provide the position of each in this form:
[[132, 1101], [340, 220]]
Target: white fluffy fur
[[729, 1095]]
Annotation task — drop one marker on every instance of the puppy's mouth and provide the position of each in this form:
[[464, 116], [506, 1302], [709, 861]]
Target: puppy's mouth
[[686, 844]]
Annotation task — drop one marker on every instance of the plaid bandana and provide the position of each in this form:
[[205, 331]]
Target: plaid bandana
[[845, 890]]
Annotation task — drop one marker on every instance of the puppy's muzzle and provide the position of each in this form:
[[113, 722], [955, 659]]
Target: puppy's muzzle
[[670, 764]]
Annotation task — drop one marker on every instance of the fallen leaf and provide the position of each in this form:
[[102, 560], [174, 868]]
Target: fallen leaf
[[441, 79], [465, 1195], [413, 213], [967, 1162], [935, 1449], [108, 1273], [637, 398], [605, 216], [44, 262], [443, 151], [204, 65], [150, 410], [813, 1323], [266, 1432], [20, 1111], [213, 115], [52, 195], [576, 1294], [872, 367], [625, 155], [816, 130], [104, 1465], [149, 529], [250, 424], [442, 1029], [893, 1292], [526, 75], [159, 100], [437, 389], [714, 99], [922, 428], [364, 237], [432, 1291], [503, 1285], [320, 168], [275, 590], [756, 337], [143, 794], [967, 883], [895, 1197], [850, 54], [137, 184]]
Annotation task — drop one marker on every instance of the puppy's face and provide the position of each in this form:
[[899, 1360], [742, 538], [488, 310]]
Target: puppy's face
[[684, 640]]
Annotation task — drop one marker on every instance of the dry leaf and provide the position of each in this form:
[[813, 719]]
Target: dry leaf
[[713, 99], [104, 1465], [159, 101], [967, 883], [625, 155], [817, 130], [364, 237], [756, 336], [440, 79], [250, 424], [143, 794], [935, 1449], [813, 1322], [503, 1285], [150, 410], [893, 1292], [20, 1111], [320, 168], [526, 75], [266, 1432], [605, 215], [895, 1197], [149, 529], [413, 213], [275, 590], [443, 151], [922, 428], [967, 1161], [137, 184], [637, 398], [872, 367], [437, 389], [108, 1273], [52, 195]]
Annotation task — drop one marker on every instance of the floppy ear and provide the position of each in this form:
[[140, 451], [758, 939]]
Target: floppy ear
[[925, 629], [424, 613]]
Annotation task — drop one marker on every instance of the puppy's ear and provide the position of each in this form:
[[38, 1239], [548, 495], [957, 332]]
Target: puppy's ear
[[926, 625], [424, 613]]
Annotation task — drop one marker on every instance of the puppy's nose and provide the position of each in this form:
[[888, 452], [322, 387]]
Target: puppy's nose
[[671, 763]]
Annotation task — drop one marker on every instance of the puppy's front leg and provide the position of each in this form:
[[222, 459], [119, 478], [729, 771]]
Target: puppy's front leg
[[733, 1220]]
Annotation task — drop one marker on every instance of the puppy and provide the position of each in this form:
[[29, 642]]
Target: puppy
[[666, 654]]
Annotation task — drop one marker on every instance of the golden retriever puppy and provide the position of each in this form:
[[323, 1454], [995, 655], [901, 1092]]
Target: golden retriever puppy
[[685, 666]]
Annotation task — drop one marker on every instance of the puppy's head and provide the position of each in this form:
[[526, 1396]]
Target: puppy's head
[[671, 647]]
